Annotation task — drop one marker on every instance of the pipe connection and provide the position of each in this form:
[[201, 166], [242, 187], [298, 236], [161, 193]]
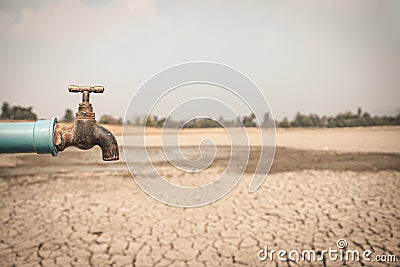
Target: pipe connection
[[49, 137]]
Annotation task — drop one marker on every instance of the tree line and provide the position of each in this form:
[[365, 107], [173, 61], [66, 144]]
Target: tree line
[[16, 112], [104, 119], [344, 119], [200, 122]]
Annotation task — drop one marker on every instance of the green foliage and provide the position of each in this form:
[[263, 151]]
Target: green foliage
[[161, 122], [202, 123], [5, 111], [17, 113], [268, 121], [152, 121], [248, 121], [284, 123], [149, 121], [68, 116], [345, 119], [108, 119]]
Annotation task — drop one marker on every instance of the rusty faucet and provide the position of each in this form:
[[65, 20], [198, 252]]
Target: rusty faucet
[[85, 132]]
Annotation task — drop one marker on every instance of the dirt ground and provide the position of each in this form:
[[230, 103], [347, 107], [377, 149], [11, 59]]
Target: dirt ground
[[75, 210], [357, 139]]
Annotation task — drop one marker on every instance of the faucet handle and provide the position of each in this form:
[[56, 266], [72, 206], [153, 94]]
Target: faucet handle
[[85, 88], [85, 109]]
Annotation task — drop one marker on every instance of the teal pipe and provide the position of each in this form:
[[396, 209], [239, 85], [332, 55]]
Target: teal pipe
[[28, 137]]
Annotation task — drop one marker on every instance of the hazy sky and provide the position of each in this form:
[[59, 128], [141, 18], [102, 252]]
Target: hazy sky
[[312, 56]]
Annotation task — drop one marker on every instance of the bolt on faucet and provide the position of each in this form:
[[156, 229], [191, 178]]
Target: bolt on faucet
[[85, 132]]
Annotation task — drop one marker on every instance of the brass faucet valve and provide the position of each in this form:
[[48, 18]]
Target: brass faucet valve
[[85, 109]]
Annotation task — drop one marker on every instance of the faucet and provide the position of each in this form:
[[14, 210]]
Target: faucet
[[49, 137], [85, 132]]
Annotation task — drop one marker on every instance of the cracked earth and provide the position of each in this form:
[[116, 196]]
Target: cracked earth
[[100, 217], [75, 210]]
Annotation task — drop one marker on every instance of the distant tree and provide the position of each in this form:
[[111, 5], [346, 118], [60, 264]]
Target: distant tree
[[5, 111], [267, 122], [295, 122], [202, 123], [331, 122], [161, 122], [108, 119], [21, 113], [137, 121], [344, 119], [17, 112], [248, 121], [284, 123], [315, 120], [151, 120], [301, 121], [169, 122], [68, 116], [155, 120], [397, 122], [237, 122], [359, 112], [323, 122], [366, 119]]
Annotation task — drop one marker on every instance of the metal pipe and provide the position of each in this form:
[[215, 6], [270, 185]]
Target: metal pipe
[[50, 137], [28, 137]]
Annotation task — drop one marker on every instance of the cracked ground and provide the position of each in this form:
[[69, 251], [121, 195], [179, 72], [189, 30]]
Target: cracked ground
[[62, 212]]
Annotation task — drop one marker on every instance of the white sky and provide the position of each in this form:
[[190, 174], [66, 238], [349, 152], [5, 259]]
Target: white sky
[[312, 56]]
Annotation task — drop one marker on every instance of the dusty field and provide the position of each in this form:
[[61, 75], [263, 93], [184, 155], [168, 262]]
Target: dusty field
[[77, 210], [358, 139]]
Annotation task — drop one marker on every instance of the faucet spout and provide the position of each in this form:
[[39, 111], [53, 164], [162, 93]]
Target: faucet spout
[[84, 134], [107, 142]]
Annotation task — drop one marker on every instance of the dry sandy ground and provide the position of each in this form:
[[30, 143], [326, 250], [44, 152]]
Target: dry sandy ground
[[366, 139], [75, 210]]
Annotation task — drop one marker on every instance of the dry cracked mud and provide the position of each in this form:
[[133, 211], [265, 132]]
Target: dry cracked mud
[[99, 217]]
